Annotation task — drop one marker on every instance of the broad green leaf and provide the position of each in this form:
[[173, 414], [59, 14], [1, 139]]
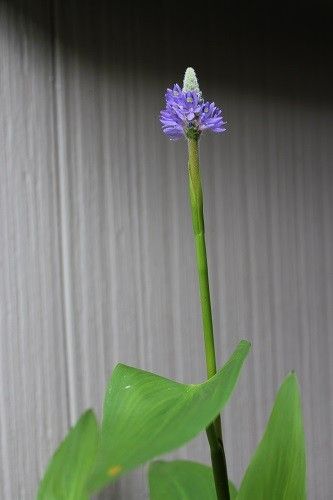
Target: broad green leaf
[[183, 480], [277, 470], [233, 491], [146, 415], [67, 473]]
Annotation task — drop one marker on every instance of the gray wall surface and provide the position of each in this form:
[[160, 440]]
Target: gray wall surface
[[96, 256]]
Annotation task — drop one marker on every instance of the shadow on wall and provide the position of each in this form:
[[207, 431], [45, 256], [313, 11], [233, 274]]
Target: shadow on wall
[[284, 52]]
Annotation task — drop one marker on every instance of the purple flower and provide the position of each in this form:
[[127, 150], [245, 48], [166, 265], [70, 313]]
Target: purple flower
[[186, 114]]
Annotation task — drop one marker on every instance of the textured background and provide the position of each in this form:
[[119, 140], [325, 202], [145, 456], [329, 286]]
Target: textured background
[[96, 255]]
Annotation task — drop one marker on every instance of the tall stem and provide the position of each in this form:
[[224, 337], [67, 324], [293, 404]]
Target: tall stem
[[214, 432]]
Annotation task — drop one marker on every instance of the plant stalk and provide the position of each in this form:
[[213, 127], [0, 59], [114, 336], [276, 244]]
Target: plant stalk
[[214, 431]]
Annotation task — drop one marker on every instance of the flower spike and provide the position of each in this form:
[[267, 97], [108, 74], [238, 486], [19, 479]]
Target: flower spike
[[186, 113]]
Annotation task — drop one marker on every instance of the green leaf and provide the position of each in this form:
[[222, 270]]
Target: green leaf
[[277, 470], [67, 473], [233, 491], [183, 480], [146, 415]]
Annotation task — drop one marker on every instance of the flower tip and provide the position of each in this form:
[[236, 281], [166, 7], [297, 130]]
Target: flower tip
[[190, 81]]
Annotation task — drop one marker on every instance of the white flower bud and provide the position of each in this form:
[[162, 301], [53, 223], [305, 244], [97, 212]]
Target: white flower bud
[[190, 81]]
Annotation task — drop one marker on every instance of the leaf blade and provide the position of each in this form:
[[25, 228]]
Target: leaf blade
[[278, 467], [146, 415], [68, 470], [183, 480]]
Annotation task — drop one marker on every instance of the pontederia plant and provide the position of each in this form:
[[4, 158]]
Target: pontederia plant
[[187, 114], [145, 415]]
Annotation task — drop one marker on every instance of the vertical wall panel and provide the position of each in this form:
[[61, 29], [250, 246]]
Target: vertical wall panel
[[33, 393]]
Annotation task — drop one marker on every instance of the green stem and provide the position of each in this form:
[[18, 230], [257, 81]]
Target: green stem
[[219, 465], [214, 432]]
